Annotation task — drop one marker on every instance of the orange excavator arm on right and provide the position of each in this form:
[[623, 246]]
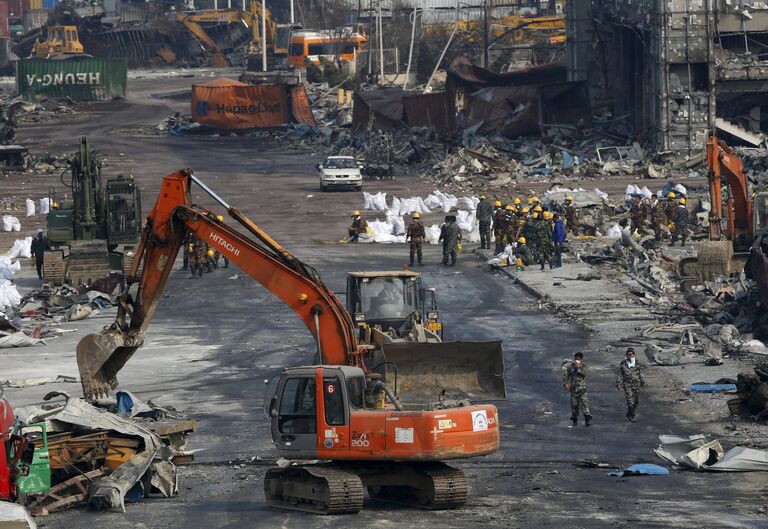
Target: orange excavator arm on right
[[100, 356], [722, 160]]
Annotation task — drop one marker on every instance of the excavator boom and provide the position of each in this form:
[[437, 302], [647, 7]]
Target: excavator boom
[[100, 356]]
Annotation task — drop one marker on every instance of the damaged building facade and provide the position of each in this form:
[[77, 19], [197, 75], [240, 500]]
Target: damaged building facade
[[674, 69]]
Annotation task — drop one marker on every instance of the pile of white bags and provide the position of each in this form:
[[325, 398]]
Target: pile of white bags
[[11, 223]]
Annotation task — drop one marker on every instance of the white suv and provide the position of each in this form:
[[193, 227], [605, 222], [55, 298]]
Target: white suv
[[340, 172]]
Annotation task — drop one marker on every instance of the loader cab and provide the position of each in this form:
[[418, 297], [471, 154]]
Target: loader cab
[[311, 407], [123, 211], [387, 299]]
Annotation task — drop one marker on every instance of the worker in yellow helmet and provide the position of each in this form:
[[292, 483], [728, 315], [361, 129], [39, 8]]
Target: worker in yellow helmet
[[198, 256], [415, 236], [681, 223], [523, 253], [499, 227], [538, 209], [359, 227], [670, 209], [517, 202], [571, 217]]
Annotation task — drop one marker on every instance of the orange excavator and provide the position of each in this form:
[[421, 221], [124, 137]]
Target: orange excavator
[[339, 412]]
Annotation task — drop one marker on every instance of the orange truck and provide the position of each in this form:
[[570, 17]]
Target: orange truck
[[340, 411]]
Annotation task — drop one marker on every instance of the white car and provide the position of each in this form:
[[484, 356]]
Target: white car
[[340, 172]]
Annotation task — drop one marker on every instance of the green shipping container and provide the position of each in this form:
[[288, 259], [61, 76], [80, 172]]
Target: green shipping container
[[78, 79]]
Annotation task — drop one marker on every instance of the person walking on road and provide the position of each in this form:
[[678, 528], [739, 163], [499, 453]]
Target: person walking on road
[[574, 381], [415, 237], [630, 378], [450, 236], [37, 249], [571, 216], [484, 218], [681, 223]]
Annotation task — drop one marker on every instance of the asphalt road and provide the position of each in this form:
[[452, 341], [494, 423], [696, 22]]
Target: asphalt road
[[214, 340]]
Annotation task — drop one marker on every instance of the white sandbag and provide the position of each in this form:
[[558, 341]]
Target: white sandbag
[[680, 188], [468, 203], [614, 231], [30, 208], [397, 222], [9, 296], [16, 225], [646, 192], [472, 236], [380, 201], [466, 221], [423, 208], [433, 234], [7, 223], [395, 205], [21, 248], [45, 206], [367, 200], [433, 201], [6, 270]]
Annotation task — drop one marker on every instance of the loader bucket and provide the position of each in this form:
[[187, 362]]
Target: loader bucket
[[100, 357], [465, 370]]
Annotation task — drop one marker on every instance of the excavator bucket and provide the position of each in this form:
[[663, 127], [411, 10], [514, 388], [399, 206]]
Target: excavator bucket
[[465, 370], [100, 357]]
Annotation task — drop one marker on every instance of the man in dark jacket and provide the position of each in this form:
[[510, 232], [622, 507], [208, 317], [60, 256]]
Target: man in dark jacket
[[484, 218], [450, 236], [39, 247], [558, 238]]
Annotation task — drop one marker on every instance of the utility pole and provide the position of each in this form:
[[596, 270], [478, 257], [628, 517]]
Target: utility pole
[[381, 46], [485, 33], [263, 35], [292, 17]]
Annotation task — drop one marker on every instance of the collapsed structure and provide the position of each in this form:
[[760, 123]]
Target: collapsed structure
[[673, 70]]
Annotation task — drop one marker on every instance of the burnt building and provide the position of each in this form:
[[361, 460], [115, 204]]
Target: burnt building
[[674, 69]]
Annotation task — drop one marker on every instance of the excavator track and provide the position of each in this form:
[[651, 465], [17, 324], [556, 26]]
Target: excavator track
[[88, 261], [318, 489], [433, 486]]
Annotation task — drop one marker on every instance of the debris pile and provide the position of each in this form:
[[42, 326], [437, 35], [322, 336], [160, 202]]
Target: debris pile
[[101, 456]]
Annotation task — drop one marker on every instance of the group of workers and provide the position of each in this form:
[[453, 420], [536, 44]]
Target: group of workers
[[537, 234], [672, 212], [199, 258], [629, 379]]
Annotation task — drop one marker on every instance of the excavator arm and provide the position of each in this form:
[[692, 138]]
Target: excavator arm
[[192, 23], [722, 160], [100, 356]]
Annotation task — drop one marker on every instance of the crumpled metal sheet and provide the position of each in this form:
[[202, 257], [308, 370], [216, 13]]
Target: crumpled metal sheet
[[18, 339], [15, 515], [109, 492], [700, 452]]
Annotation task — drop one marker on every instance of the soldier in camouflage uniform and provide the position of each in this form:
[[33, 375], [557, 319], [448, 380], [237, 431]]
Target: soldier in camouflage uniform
[[637, 214], [681, 223], [531, 234], [657, 216], [198, 256], [574, 381], [484, 214], [670, 209], [450, 237], [415, 236], [499, 229], [511, 225], [571, 217], [544, 241], [630, 378]]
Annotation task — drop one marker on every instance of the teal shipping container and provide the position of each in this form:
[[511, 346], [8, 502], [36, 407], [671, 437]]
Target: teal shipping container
[[85, 79]]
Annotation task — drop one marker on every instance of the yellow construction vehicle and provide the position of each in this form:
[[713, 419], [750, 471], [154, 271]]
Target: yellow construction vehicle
[[510, 30], [61, 42], [232, 48]]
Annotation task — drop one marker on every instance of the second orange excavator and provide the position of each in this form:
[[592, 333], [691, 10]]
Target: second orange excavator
[[338, 412]]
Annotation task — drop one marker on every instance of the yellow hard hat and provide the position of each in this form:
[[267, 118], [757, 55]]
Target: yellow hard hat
[[509, 208], [482, 197], [417, 215], [530, 201], [548, 215], [671, 195], [517, 201], [497, 203], [521, 240], [355, 213], [682, 200], [536, 199], [191, 248], [209, 253], [525, 210], [537, 208], [535, 215], [220, 218], [569, 198]]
